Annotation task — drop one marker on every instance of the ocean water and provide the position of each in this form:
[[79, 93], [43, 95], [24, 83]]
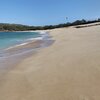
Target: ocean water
[[16, 46], [9, 39], [19, 43]]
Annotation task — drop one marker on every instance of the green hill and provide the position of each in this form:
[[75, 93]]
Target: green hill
[[19, 27]]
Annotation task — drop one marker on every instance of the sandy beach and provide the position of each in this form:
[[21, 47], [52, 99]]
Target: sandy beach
[[69, 69]]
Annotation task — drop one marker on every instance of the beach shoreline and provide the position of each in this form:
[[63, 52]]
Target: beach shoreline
[[66, 70], [13, 55]]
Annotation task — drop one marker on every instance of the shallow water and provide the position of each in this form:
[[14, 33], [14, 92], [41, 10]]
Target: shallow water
[[8, 39], [12, 55]]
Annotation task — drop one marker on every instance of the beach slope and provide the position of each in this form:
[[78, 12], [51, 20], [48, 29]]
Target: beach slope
[[69, 69]]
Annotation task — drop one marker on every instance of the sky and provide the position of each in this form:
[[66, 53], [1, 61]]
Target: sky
[[47, 12]]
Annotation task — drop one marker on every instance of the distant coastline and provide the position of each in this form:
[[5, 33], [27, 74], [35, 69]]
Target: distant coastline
[[5, 27]]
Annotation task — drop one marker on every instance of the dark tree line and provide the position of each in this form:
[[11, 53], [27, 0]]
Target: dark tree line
[[19, 27]]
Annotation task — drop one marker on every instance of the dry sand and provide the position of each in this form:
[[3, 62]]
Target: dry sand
[[69, 69]]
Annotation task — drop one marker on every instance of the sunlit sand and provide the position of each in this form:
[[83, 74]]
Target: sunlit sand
[[69, 69]]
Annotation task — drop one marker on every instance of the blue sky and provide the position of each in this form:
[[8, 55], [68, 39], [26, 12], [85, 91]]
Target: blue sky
[[46, 12]]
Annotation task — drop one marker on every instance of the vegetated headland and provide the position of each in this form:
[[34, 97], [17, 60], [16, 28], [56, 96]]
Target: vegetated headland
[[19, 27]]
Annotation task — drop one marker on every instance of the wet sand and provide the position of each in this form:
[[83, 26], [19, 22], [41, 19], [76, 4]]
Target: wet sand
[[69, 69]]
